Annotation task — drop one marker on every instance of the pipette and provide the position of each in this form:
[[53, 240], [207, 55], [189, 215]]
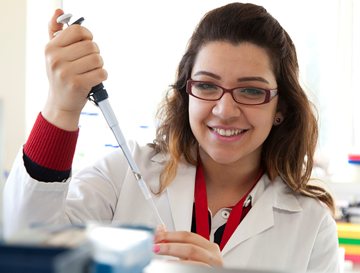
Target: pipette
[[99, 96]]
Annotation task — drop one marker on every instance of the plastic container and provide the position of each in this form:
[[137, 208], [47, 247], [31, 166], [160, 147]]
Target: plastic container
[[125, 250]]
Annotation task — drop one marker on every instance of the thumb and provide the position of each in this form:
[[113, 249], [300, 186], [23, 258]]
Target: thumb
[[53, 25]]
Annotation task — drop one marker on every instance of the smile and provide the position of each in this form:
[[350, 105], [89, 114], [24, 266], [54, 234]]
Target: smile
[[228, 132]]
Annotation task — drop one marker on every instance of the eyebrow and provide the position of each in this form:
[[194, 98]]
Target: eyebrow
[[248, 79], [242, 79]]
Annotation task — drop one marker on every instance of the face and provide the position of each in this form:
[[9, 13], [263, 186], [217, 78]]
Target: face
[[228, 132]]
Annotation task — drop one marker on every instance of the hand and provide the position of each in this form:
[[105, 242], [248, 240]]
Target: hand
[[188, 246], [74, 66]]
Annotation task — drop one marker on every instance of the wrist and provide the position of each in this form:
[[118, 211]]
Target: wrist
[[66, 120]]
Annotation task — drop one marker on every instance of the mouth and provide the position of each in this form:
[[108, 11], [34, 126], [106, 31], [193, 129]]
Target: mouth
[[228, 132]]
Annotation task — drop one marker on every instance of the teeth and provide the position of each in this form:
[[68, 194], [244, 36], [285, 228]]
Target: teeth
[[228, 132]]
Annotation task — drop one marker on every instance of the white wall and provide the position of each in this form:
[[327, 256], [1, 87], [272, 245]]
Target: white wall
[[12, 78]]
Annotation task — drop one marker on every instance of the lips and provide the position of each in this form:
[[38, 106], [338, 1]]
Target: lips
[[228, 132]]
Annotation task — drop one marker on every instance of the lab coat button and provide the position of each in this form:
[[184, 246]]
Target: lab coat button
[[248, 201], [225, 213]]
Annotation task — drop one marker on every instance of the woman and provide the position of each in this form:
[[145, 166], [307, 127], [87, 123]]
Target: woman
[[230, 165]]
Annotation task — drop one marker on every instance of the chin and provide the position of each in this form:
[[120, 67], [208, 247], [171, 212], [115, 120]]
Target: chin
[[224, 158]]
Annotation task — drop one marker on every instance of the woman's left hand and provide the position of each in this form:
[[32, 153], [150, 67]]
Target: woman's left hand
[[188, 246]]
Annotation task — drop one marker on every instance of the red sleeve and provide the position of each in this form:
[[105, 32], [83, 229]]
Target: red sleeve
[[50, 146]]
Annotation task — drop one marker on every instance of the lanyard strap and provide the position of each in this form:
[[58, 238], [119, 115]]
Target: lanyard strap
[[201, 209]]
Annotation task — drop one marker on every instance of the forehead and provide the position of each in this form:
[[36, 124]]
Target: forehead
[[229, 60]]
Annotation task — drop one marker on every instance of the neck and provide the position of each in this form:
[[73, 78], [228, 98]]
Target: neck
[[227, 184], [234, 175]]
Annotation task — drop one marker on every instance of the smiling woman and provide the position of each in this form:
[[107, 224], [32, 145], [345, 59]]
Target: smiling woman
[[228, 175], [249, 66], [326, 50]]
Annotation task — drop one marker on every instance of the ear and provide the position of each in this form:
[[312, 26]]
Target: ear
[[278, 118]]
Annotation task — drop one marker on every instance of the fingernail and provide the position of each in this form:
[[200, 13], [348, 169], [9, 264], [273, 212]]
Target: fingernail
[[156, 248]]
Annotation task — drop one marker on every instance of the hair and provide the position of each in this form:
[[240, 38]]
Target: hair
[[289, 148]]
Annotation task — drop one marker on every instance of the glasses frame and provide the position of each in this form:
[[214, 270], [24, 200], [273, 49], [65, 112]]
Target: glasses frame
[[270, 93]]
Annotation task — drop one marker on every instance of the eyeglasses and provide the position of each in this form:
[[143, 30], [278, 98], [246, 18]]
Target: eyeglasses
[[243, 95]]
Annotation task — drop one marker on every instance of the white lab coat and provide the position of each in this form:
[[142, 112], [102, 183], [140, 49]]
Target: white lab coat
[[282, 231]]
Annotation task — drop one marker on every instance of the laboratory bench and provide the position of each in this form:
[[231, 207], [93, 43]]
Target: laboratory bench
[[29, 259]]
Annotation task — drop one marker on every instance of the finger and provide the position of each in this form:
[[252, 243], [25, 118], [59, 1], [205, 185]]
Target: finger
[[91, 78], [188, 252], [79, 50], [182, 237], [71, 35], [54, 26], [81, 83], [86, 64]]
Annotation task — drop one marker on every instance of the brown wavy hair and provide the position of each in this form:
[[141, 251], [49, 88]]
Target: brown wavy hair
[[289, 149]]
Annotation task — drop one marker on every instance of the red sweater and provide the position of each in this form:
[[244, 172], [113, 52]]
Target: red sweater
[[51, 147]]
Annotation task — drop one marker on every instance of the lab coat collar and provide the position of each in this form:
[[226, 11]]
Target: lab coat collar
[[267, 197], [180, 193], [276, 195]]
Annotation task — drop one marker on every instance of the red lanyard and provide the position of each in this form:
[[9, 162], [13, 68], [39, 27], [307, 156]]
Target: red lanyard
[[201, 209]]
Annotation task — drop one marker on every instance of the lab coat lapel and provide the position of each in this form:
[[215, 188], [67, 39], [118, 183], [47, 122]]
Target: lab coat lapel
[[261, 216], [181, 196], [252, 224]]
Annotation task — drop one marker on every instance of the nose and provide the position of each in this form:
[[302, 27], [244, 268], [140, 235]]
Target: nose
[[226, 107]]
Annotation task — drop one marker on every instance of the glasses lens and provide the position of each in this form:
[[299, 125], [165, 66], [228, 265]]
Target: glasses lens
[[206, 91], [249, 95]]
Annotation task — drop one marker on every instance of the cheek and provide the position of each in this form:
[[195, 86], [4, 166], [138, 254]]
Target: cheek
[[197, 112], [267, 115], [193, 116], [262, 119]]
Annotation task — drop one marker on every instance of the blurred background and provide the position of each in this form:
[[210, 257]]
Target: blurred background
[[142, 42]]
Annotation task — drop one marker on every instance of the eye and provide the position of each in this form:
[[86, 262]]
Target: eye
[[251, 92], [205, 86]]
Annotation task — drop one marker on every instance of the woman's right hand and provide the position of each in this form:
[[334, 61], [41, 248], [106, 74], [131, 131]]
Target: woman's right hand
[[74, 66]]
